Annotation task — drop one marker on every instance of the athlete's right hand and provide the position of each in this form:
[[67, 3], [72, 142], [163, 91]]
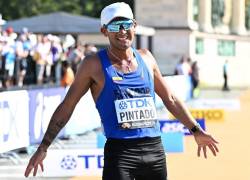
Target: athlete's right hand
[[35, 161]]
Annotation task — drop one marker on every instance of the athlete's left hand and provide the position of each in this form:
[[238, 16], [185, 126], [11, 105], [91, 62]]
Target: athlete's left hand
[[205, 141]]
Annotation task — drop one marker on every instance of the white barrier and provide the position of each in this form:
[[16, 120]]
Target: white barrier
[[227, 104], [14, 120], [24, 116], [74, 162], [85, 116], [181, 87]]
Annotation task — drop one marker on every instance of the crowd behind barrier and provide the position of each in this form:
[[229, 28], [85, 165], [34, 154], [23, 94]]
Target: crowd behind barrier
[[28, 59]]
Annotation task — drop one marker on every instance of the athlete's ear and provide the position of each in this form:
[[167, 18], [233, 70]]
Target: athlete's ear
[[135, 24], [104, 31]]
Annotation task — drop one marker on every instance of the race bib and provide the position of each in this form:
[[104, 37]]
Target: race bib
[[136, 112]]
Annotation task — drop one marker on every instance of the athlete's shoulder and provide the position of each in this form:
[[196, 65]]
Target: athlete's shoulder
[[90, 63], [95, 57], [144, 51], [147, 56], [92, 58]]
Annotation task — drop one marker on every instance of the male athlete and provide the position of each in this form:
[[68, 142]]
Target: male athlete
[[123, 82]]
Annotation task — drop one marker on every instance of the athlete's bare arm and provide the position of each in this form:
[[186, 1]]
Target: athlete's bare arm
[[173, 104], [88, 76], [177, 107], [85, 78]]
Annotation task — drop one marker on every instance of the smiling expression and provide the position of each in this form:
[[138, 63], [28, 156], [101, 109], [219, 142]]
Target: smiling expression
[[122, 39]]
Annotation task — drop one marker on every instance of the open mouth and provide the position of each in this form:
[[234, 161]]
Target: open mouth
[[122, 38]]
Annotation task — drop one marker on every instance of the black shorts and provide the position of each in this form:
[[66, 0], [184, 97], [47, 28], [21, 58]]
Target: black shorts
[[134, 159]]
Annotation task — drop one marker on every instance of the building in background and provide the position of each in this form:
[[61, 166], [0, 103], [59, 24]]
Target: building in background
[[208, 31]]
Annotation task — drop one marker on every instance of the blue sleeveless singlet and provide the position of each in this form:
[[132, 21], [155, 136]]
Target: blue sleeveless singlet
[[128, 98]]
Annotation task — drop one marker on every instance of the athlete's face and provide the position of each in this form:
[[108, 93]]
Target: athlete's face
[[120, 32]]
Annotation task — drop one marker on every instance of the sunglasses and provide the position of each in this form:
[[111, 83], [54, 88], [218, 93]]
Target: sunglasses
[[116, 26]]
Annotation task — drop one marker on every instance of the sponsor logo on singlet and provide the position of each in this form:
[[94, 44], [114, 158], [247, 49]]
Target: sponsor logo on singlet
[[136, 112]]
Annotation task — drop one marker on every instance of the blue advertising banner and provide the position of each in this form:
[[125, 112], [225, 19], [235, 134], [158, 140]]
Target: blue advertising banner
[[42, 104], [173, 142], [176, 126]]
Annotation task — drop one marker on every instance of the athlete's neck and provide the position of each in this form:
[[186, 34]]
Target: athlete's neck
[[124, 62], [121, 55]]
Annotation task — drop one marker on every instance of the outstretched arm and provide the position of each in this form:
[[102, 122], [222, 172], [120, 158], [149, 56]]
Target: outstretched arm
[[62, 114], [55, 125], [180, 111]]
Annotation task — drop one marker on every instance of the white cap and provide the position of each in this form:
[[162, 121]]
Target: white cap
[[119, 9]]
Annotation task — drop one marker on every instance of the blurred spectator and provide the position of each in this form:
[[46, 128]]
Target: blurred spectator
[[89, 49], [69, 41], [11, 35], [183, 67], [23, 48], [30, 76], [195, 79], [225, 76], [25, 31], [68, 74], [75, 55], [8, 58], [2, 63], [56, 53], [41, 56]]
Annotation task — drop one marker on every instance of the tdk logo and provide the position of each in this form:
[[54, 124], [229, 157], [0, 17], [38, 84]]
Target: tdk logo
[[68, 162], [123, 105], [134, 103]]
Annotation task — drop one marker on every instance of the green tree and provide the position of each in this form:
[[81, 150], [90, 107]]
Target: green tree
[[15, 9], [93, 7]]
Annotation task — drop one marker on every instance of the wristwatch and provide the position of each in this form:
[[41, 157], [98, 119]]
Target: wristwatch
[[196, 128]]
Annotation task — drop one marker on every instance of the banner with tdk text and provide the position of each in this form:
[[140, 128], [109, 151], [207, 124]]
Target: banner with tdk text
[[73, 162]]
